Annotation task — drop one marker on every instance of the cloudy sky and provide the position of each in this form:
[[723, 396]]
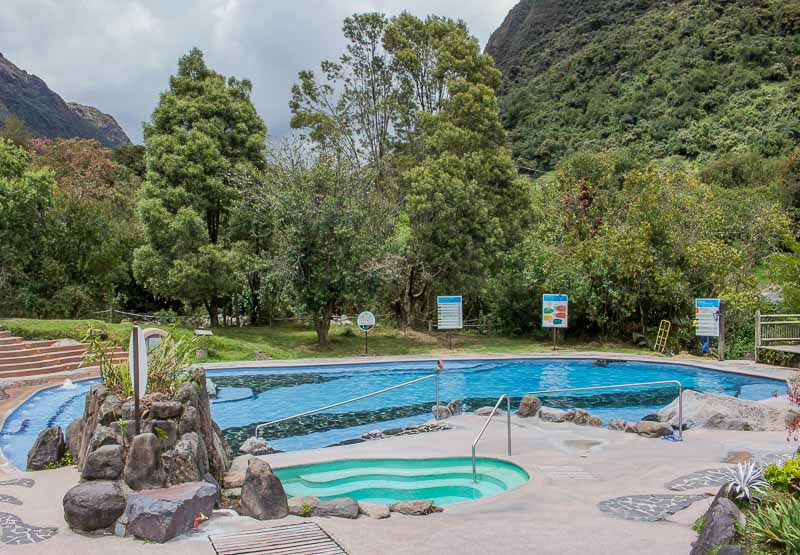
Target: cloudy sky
[[117, 55]]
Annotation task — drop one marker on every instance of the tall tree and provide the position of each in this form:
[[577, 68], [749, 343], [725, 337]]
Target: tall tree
[[203, 131]]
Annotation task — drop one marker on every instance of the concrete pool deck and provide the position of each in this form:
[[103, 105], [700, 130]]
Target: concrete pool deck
[[552, 513]]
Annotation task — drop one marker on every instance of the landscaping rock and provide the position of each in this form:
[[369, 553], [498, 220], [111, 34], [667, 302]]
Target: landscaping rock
[[188, 421], [161, 514], [48, 449], [577, 416], [548, 414], [263, 496], [616, 425], [73, 437], [105, 463], [595, 421], [413, 508], [303, 505], [256, 446], [143, 465], [486, 411], [529, 406], [653, 429], [93, 505], [211, 388], [373, 510], [165, 430], [163, 410], [341, 507], [374, 434], [730, 550], [234, 478], [186, 462], [719, 525], [651, 418], [454, 407], [630, 427], [440, 412], [110, 410], [722, 412]]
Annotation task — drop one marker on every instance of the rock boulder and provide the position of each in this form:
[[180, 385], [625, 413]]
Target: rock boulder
[[48, 449], [73, 437], [143, 465], [93, 505], [440, 412], [341, 507], [373, 510], [719, 525], [722, 412], [256, 446], [529, 406], [413, 508], [454, 407], [263, 496], [161, 514], [647, 428], [105, 463], [548, 414], [234, 478]]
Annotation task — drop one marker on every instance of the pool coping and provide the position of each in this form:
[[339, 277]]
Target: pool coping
[[742, 367]]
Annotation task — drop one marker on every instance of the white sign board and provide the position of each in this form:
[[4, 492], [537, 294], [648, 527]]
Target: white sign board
[[138, 337], [555, 311], [706, 317], [449, 309], [366, 320]]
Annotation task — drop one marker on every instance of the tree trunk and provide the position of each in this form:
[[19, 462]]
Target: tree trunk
[[213, 312], [322, 324]]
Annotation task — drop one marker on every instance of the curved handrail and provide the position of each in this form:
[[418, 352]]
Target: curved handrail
[[486, 425], [398, 386], [619, 386]]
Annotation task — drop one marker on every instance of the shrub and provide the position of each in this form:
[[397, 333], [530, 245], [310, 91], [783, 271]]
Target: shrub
[[747, 482], [786, 477], [778, 524]]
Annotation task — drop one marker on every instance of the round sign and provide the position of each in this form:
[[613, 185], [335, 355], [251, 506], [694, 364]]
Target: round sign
[[366, 320]]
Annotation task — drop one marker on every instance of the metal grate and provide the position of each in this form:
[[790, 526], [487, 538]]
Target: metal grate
[[289, 539], [559, 473]]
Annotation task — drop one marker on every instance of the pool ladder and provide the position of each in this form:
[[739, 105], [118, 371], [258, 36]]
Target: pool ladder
[[486, 425]]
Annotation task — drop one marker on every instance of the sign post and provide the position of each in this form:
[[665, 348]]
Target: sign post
[[366, 321], [450, 315], [708, 322], [137, 366], [555, 313]]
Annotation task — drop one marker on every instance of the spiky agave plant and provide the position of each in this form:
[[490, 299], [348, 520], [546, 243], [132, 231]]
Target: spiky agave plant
[[747, 481]]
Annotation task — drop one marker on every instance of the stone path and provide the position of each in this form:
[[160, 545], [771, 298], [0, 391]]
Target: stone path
[[15, 532], [712, 477], [647, 508], [10, 499], [24, 482]]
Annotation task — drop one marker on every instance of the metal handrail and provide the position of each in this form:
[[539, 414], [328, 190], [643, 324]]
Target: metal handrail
[[618, 386], [398, 386], [485, 425]]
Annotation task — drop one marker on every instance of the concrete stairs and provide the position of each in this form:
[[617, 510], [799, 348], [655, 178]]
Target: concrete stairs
[[20, 358]]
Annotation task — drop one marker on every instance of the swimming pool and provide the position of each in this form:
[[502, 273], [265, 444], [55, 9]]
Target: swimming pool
[[445, 481], [248, 396]]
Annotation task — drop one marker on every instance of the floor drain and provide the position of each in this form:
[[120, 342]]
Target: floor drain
[[559, 473], [290, 539]]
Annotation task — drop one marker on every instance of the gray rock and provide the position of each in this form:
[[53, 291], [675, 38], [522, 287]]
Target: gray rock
[[263, 496], [486, 411], [529, 406], [630, 427], [256, 446], [234, 478], [373, 510], [719, 525], [413, 508], [110, 410], [73, 437], [730, 550], [653, 429], [232, 493], [165, 430], [48, 448], [161, 514], [617, 425], [93, 505], [143, 465], [548, 414], [722, 412], [188, 422], [440, 412], [341, 507], [186, 462], [104, 463], [163, 410], [211, 388], [454, 407], [303, 505]]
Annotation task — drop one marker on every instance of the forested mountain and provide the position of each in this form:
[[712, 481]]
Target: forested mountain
[[696, 78], [45, 114]]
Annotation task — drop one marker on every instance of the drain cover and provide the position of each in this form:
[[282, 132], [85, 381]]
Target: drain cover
[[565, 473], [289, 539]]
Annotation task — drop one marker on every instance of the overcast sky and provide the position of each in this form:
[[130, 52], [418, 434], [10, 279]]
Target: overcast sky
[[117, 55]]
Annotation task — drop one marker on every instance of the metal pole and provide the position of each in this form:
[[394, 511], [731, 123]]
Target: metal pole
[[758, 334], [721, 339], [366, 343], [135, 379], [508, 418], [436, 382], [680, 411]]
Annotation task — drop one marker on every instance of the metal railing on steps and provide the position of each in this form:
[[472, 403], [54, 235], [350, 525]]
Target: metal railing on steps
[[486, 425]]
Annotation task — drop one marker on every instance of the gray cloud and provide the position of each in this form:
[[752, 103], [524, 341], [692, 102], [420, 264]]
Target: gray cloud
[[118, 55]]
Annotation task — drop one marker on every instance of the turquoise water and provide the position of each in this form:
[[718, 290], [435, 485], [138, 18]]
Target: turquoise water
[[247, 397], [445, 481]]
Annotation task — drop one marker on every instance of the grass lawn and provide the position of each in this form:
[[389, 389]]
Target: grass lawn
[[298, 340]]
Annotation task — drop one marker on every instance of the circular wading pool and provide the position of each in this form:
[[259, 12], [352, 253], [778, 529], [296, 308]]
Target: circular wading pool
[[445, 481]]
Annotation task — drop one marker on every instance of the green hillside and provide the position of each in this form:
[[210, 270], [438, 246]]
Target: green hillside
[[695, 78]]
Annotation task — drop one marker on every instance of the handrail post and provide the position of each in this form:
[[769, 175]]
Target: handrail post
[[508, 418], [486, 425], [680, 410], [474, 465], [436, 383]]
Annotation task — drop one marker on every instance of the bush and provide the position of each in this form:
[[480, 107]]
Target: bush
[[786, 477], [778, 524]]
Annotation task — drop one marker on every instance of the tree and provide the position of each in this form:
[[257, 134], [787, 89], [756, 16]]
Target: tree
[[203, 131], [331, 231], [15, 131]]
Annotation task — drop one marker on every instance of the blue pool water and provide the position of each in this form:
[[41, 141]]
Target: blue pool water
[[445, 481], [250, 396]]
